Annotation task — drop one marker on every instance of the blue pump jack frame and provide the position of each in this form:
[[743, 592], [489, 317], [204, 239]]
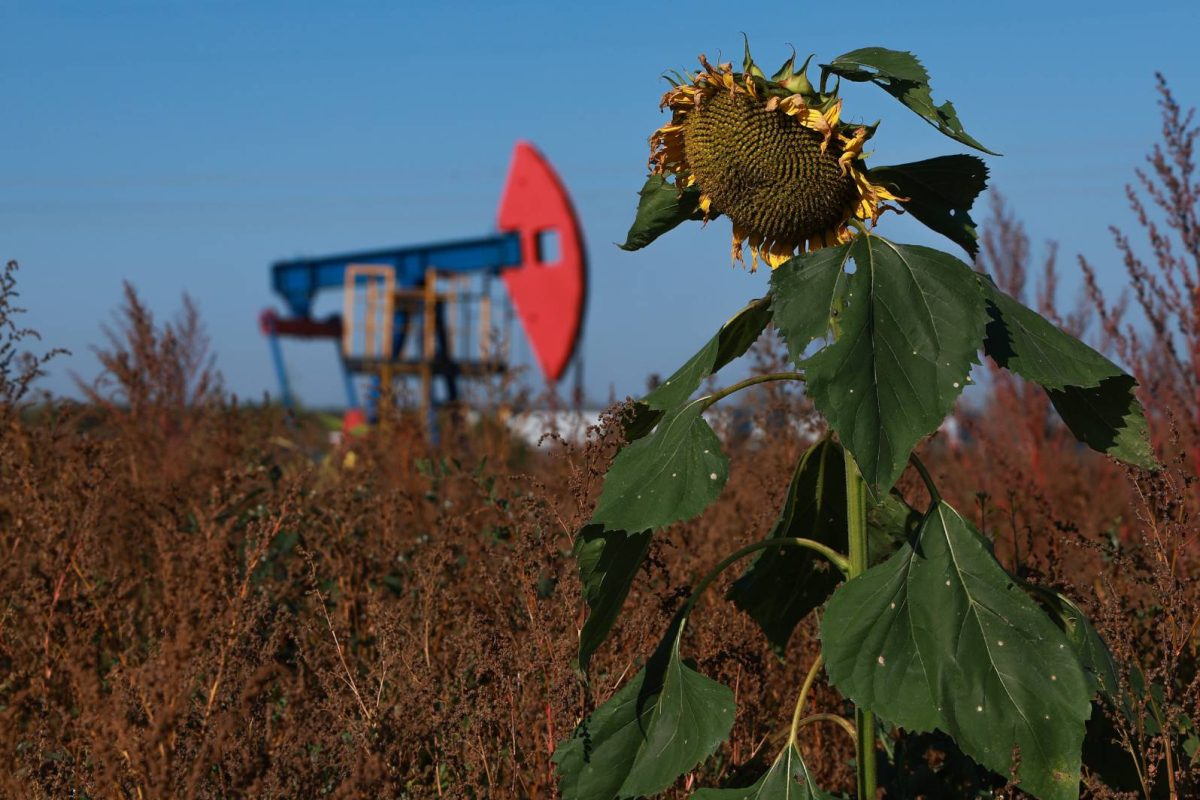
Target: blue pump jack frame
[[298, 280]]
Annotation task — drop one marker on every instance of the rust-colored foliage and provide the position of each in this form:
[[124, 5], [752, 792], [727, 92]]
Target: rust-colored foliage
[[194, 607], [201, 599]]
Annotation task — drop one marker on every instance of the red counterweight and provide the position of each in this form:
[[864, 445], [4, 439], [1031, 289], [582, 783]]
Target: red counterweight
[[549, 288]]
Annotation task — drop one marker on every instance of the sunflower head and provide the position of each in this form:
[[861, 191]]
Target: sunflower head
[[771, 154]]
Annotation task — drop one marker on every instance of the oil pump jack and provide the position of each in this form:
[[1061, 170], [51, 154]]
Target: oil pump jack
[[425, 312]]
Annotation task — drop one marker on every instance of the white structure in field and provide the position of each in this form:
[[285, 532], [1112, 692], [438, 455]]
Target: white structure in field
[[571, 425]]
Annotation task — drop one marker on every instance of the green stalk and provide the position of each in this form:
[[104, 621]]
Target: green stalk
[[808, 682], [864, 721], [798, 722], [926, 477], [754, 381]]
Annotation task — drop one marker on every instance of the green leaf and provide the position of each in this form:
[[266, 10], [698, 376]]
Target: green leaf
[[901, 75], [1024, 342], [637, 420], [782, 585], [870, 63], [662, 207], [658, 727], [1093, 652], [868, 640], [940, 193], [889, 526], [1094, 397], [787, 779], [807, 296], [907, 325], [940, 636], [734, 339], [670, 475], [640, 421], [919, 98], [1107, 418], [608, 563], [609, 560]]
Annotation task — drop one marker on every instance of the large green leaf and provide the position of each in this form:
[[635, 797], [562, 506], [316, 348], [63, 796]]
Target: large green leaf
[[1024, 342], [940, 192], [787, 779], [907, 325], [782, 585], [868, 640], [940, 636], [1102, 752], [734, 339], [608, 563], [670, 475], [1107, 418], [608, 560], [901, 75], [661, 207], [1094, 397], [656, 728], [808, 297]]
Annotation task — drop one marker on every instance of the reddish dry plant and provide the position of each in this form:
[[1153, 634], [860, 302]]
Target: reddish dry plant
[[202, 599], [1162, 343], [194, 606]]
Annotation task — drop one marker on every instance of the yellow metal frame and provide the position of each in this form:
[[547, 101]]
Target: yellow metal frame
[[382, 300]]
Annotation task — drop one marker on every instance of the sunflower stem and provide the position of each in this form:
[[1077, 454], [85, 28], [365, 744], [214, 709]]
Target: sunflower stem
[[844, 723], [757, 379], [864, 721], [808, 682], [930, 486]]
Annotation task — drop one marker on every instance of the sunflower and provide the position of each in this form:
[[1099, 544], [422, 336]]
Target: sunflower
[[773, 155]]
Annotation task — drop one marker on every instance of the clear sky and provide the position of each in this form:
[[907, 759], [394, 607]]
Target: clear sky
[[184, 146]]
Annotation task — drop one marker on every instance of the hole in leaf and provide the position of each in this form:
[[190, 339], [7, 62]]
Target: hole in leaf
[[813, 347]]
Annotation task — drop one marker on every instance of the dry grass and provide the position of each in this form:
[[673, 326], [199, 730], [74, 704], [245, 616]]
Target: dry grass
[[197, 600]]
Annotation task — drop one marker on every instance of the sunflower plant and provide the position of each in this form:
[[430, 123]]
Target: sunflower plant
[[922, 628]]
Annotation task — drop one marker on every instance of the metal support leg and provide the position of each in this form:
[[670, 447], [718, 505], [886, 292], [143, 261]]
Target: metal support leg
[[443, 352], [285, 390], [348, 381]]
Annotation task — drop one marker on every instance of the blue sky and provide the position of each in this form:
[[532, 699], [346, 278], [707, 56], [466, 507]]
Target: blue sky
[[184, 146]]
